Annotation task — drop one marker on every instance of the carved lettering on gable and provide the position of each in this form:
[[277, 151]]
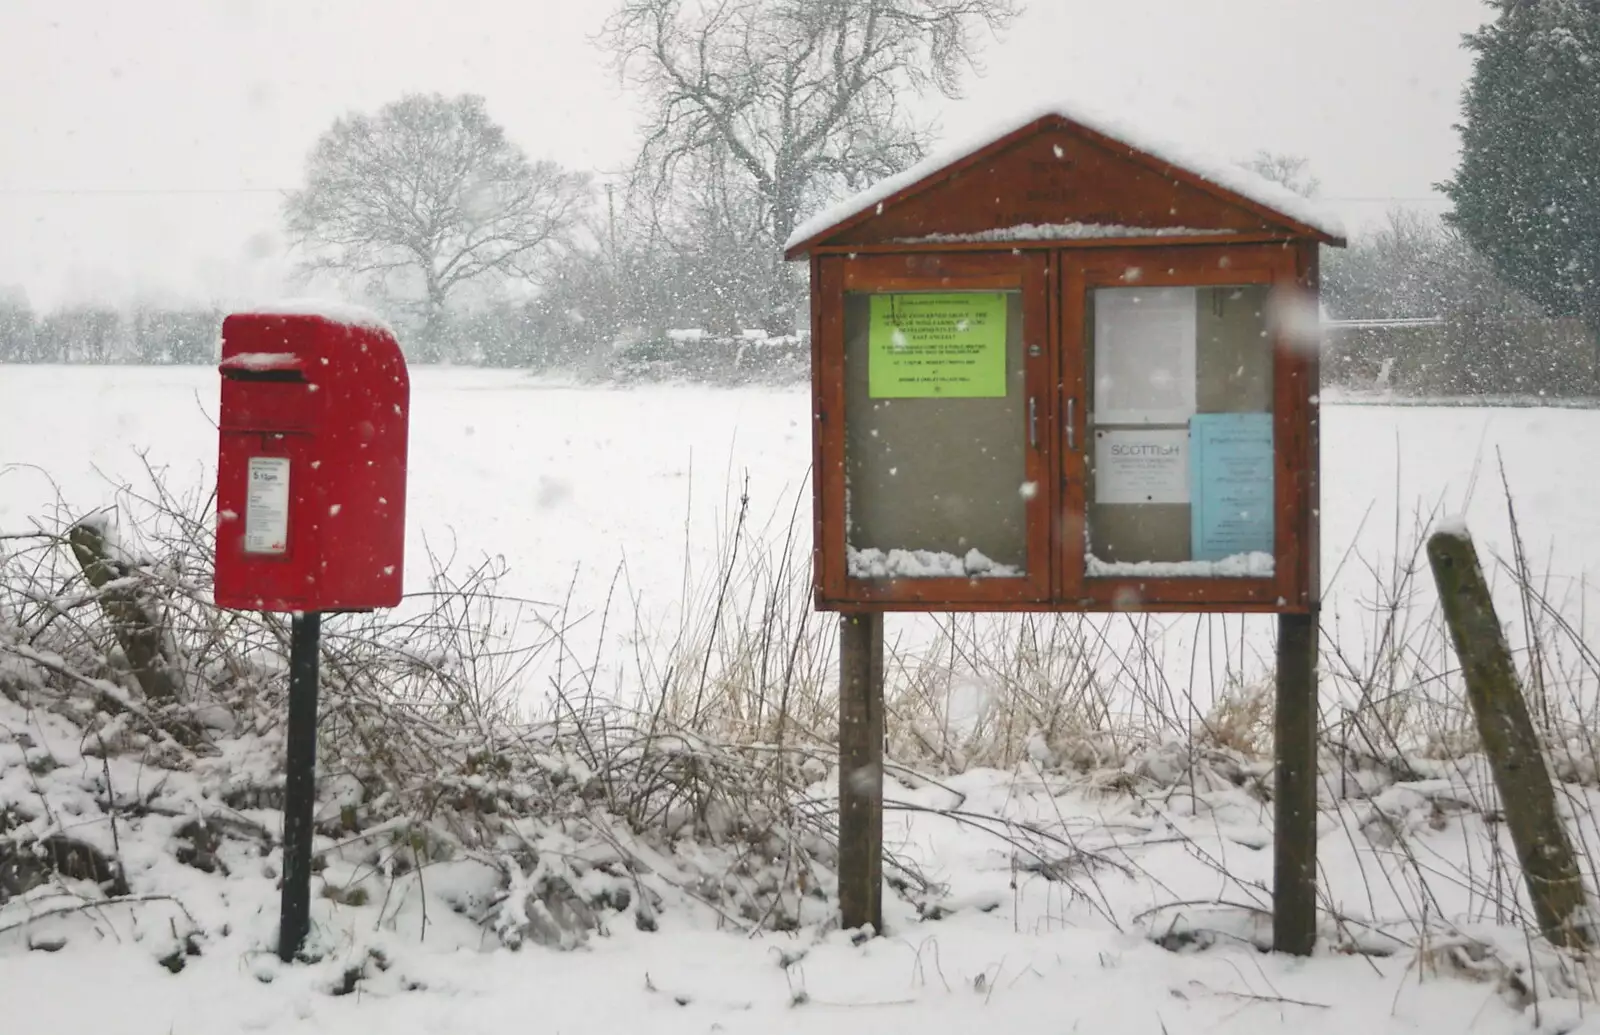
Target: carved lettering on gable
[[1054, 177], [1052, 185]]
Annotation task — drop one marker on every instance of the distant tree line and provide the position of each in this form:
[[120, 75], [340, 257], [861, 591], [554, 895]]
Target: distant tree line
[[88, 333], [1485, 337], [593, 336], [652, 309], [1416, 307], [757, 111], [1513, 270]]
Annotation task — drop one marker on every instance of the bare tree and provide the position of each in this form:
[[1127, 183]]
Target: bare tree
[[789, 101], [1409, 266], [1290, 171], [430, 191]]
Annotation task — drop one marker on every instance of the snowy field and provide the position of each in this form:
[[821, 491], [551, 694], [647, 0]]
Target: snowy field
[[563, 480], [583, 489]]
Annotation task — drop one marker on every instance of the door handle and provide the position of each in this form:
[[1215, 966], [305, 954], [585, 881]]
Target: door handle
[[1033, 422], [1072, 423]]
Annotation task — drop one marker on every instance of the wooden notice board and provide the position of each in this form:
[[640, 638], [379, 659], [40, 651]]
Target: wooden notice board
[[1061, 373]]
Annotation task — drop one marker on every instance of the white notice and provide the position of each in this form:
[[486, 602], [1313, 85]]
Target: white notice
[[1144, 355], [266, 515], [1141, 466]]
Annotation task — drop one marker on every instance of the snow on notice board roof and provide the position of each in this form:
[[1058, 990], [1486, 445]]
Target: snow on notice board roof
[[1063, 232], [346, 313], [1220, 172]]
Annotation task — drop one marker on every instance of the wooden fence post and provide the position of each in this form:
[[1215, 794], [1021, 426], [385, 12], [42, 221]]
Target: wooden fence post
[[1527, 796], [861, 770], [139, 633]]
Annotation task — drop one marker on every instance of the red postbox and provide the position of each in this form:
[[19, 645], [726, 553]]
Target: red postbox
[[311, 462]]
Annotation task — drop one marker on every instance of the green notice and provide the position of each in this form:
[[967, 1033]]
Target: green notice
[[937, 346]]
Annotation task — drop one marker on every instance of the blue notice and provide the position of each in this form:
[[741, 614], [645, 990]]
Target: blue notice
[[1231, 464]]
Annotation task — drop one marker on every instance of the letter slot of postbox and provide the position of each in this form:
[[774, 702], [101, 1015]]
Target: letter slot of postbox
[[265, 391]]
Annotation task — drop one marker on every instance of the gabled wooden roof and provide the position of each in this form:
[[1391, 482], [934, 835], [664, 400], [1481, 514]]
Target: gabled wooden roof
[[1060, 176]]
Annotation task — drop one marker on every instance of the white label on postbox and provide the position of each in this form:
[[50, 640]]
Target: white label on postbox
[[266, 515]]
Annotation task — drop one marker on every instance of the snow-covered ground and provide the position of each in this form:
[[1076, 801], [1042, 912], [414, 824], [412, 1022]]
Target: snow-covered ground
[[1060, 886], [583, 488], [1070, 907]]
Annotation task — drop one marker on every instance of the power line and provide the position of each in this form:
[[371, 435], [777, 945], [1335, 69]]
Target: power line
[[183, 191], [133, 191], [1432, 198]]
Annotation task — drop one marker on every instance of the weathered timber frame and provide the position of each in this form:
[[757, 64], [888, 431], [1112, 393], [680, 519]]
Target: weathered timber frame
[[1054, 283]]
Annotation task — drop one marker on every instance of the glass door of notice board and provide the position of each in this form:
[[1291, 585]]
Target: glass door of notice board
[[943, 375], [1171, 466]]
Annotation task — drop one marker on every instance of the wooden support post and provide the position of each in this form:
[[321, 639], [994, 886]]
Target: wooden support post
[[1527, 797], [861, 770], [1294, 870]]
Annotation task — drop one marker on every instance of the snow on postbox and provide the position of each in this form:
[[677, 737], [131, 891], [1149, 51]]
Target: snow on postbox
[[311, 463]]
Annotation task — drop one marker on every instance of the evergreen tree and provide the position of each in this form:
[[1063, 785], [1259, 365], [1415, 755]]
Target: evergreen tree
[[1527, 190]]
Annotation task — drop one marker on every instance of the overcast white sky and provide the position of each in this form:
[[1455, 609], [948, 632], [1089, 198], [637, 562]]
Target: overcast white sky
[[142, 145]]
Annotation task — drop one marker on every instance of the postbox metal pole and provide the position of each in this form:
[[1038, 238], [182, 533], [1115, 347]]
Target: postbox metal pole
[[300, 783]]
